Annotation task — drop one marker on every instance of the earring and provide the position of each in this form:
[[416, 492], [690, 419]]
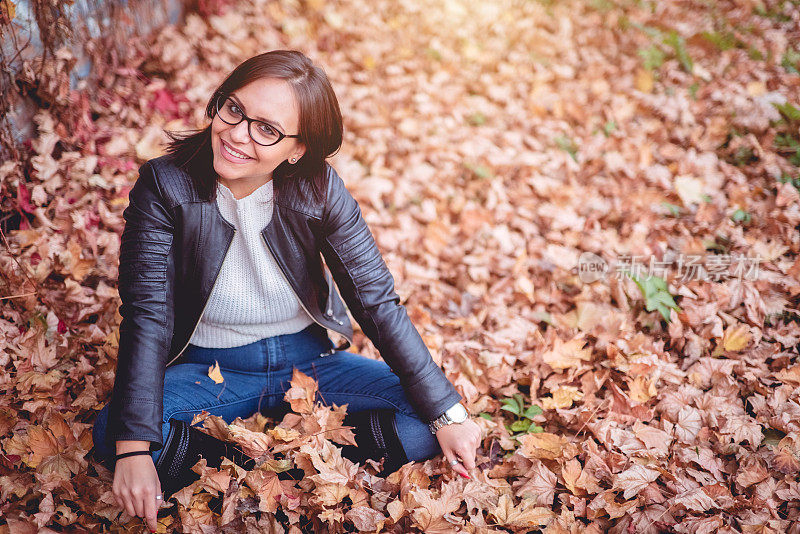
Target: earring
[[293, 160]]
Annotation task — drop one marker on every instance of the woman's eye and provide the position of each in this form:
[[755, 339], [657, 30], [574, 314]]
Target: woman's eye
[[235, 109], [266, 129]]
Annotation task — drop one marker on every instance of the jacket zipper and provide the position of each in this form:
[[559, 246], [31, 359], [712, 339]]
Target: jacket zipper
[[331, 351], [205, 305]]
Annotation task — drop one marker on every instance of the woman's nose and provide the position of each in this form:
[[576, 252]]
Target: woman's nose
[[239, 133]]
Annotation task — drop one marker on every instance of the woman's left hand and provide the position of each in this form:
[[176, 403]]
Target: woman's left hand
[[459, 441]]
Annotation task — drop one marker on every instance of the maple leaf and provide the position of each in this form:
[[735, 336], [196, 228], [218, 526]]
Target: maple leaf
[[688, 425], [365, 518], [736, 337], [42, 444], [742, 428], [396, 510], [750, 472], [653, 438], [331, 494], [634, 479], [430, 512], [642, 389], [567, 354], [328, 461], [699, 525], [790, 375], [302, 392], [268, 487], [545, 445], [570, 472], [786, 461], [696, 500], [252, 443], [479, 495], [563, 397], [539, 484], [212, 480], [526, 515], [330, 421]]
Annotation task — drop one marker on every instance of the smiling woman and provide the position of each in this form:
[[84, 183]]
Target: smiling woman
[[221, 264], [247, 150]]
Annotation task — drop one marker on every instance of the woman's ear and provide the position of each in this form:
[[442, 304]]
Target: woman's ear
[[298, 152]]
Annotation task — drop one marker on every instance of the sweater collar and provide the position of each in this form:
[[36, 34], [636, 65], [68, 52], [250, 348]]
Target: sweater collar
[[262, 195]]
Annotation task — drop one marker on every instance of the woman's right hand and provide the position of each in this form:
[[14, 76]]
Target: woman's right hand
[[136, 486]]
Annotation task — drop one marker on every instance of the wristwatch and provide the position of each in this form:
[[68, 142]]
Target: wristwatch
[[455, 414]]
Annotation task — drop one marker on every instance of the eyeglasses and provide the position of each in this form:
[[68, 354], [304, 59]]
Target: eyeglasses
[[264, 134]]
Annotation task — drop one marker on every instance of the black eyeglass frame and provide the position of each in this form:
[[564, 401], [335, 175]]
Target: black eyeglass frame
[[224, 98]]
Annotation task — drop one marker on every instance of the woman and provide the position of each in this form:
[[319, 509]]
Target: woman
[[221, 261]]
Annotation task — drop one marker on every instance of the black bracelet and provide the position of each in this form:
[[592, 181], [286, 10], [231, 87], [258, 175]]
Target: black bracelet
[[132, 453]]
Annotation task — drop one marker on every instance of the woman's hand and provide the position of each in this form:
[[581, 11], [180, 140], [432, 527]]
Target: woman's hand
[[136, 486], [459, 441]]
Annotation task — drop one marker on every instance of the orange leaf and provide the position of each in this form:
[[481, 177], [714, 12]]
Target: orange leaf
[[215, 374], [301, 393], [567, 354]]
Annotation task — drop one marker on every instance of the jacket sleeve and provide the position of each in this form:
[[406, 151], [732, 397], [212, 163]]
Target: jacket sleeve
[[146, 284], [367, 286]]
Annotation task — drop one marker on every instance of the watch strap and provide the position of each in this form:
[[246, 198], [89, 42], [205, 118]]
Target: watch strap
[[131, 453], [442, 420]]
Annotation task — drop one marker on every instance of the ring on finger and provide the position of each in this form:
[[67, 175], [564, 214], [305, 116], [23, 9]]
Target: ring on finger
[[453, 462]]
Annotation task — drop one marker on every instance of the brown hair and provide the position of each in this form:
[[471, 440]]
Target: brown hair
[[321, 127]]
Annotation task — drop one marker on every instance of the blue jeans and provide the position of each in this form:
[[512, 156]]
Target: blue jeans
[[256, 377]]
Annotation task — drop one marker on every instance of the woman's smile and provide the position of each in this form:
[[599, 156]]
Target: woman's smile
[[232, 154]]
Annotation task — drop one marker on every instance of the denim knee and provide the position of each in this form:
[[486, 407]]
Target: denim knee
[[418, 442]]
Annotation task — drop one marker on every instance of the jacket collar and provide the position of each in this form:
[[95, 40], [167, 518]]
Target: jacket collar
[[262, 195]]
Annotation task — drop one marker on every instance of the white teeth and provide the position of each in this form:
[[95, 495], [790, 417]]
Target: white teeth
[[234, 153]]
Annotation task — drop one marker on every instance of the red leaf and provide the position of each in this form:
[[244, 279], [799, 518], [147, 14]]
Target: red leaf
[[24, 198], [166, 103]]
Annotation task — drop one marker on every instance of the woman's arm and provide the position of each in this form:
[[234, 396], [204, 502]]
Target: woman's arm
[[146, 279], [367, 287]]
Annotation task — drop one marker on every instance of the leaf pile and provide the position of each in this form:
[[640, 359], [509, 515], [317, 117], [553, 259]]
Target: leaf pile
[[490, 144]]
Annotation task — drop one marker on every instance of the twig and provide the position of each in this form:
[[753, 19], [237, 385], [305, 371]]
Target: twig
[[591, 417], [21, 268], [17, 296]]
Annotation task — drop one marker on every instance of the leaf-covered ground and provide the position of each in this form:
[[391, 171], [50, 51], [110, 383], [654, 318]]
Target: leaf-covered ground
[[490, 145]]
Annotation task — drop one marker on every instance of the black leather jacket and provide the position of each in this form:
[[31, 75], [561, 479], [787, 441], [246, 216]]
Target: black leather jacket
[[171, 252]]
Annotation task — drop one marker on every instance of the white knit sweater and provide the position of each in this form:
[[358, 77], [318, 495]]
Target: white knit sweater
[[251, 298]]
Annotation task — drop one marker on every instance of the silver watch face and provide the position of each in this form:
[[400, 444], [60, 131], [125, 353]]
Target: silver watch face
[[457, 413]]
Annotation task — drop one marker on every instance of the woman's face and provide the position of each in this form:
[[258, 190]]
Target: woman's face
[[272, 101]]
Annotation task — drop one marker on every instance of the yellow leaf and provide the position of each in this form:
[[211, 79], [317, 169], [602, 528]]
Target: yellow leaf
[[302, 392], [7, 7], [689, 189], [756, 88], [524, 285], [112, 339], [566, 354], [642, 389], [283, 434], [736, 337], [544, 445], [215, 374], [563, 397], [644, 80]]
